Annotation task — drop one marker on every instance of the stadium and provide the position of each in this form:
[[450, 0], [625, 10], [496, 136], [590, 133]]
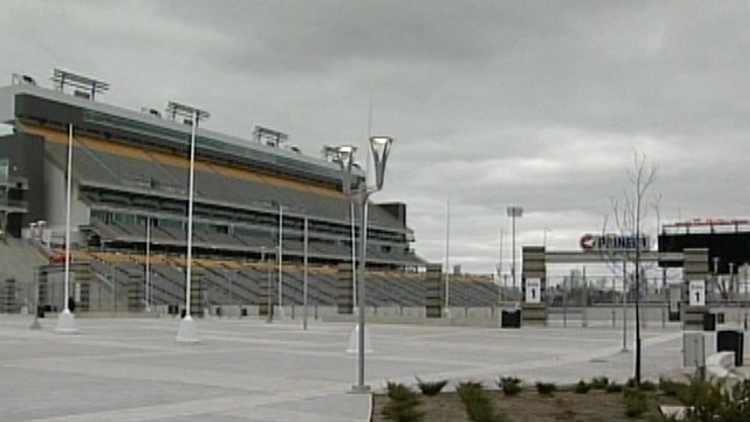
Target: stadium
[[129, 213]]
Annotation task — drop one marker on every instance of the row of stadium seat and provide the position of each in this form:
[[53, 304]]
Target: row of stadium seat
[[105, 162], [235, 282]]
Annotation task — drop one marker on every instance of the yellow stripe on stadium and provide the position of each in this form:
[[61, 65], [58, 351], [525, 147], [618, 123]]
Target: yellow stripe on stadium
[[60, 137]]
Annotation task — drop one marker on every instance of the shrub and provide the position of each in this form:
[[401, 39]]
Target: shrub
[[402, 406], [671, 388], [546, 388], [636, 403], [582, 387], [599, 383], [431, 388], [478, 405], [614, 387], [647, 385], [511, 386]]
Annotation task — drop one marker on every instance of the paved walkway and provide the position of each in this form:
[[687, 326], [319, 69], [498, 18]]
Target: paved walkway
[[132, 369]]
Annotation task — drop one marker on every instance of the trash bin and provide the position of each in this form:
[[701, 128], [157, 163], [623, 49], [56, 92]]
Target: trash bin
[[40, 311], [71, 304], [510, 319], [709, 321], [243, 312], [183, 313], [731, 341], [720, 317]]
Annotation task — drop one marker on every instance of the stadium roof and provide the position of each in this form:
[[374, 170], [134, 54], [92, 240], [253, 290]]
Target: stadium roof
[[149, 124]]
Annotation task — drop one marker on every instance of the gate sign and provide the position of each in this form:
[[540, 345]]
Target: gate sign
[[533, 290], [697, 293], [613, 242]]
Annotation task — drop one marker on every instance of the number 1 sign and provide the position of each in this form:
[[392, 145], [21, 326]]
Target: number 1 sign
[[533, 290], [697, 293]]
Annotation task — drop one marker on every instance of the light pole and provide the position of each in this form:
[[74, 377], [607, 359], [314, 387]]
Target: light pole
[[281, 259], [352, 219], [500, 267], [514, 212], [380, 147], [447, 312], [66, 322], [546, 230], [148, 264], [187, 332], [304, 278]]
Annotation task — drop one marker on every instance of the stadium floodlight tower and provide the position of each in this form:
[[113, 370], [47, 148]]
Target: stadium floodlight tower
[[187, 332], [514, 212], [380, 146], [86, 88]]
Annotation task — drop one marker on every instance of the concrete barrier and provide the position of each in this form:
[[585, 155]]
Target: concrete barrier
[[721, 365]]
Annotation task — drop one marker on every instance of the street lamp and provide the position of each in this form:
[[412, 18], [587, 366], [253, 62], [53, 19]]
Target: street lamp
[[380, 147], [66, 322], [148, 264], [187, 332], [514, 212]]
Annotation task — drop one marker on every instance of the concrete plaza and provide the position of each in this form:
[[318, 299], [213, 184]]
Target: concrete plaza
[[131, 369]]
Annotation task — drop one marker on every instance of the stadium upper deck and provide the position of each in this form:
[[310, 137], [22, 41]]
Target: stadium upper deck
[[130, 171]]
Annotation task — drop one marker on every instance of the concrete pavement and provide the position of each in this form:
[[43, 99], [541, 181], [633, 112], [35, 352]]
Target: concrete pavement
[[246, 370]]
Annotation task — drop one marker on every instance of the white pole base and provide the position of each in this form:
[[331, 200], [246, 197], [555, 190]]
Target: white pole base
[[360, 389], [35, 325], [187, 333], [66, 323], [278, 313], [353, 348], [447, 313]]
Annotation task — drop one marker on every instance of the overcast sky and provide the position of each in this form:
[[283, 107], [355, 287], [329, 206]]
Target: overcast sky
[[491, 103]]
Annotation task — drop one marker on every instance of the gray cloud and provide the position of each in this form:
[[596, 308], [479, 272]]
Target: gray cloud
[[491, 102]]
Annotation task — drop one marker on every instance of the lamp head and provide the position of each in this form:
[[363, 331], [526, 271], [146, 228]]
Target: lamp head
[[345, 158], [381, 148]]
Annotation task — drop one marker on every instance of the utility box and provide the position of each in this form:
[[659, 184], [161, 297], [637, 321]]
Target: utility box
[[694, 345]]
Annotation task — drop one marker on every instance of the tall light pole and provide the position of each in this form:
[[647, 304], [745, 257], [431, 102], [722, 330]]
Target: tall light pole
[[514, 212], [380, 147], [354, 252], [304, 277], [66, 322], [148, 264], [281, 259], [500, 264], [187, 332], [447, 311]]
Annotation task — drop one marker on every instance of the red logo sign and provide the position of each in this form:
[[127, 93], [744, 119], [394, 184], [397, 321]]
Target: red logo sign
[[587, 242]]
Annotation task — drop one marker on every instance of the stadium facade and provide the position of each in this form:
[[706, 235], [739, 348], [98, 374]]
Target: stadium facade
[[130, 178]]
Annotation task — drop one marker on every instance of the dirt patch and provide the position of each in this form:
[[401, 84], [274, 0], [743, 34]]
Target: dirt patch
[[595, 406]]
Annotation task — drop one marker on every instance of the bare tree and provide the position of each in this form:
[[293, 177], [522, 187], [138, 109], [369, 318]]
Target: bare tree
[[628, 214]]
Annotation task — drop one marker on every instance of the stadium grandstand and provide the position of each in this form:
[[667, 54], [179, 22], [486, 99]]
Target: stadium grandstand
[[130, 188]]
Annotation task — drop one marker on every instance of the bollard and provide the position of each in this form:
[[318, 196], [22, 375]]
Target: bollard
[[292, 311], [585, 317], [466, 311], [565, 317], [663, 318], [316, 312], [614, 319], [401, 310]]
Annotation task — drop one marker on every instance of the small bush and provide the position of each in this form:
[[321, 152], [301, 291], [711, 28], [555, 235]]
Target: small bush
[[647, 385], [546, 388], [636, 403], [478, 405], [402, 406], [399, 392], [431, 388], [614, 387], [511, 386], [599, 383], [671, 388], [582, 387]]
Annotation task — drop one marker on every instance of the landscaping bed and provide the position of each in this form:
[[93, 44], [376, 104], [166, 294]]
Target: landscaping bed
[[588, 401]]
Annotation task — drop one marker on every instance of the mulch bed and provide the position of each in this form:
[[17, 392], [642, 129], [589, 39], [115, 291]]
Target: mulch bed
[[596, 405]]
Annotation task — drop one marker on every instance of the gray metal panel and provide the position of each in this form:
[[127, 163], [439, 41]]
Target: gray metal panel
[[578, 257]]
